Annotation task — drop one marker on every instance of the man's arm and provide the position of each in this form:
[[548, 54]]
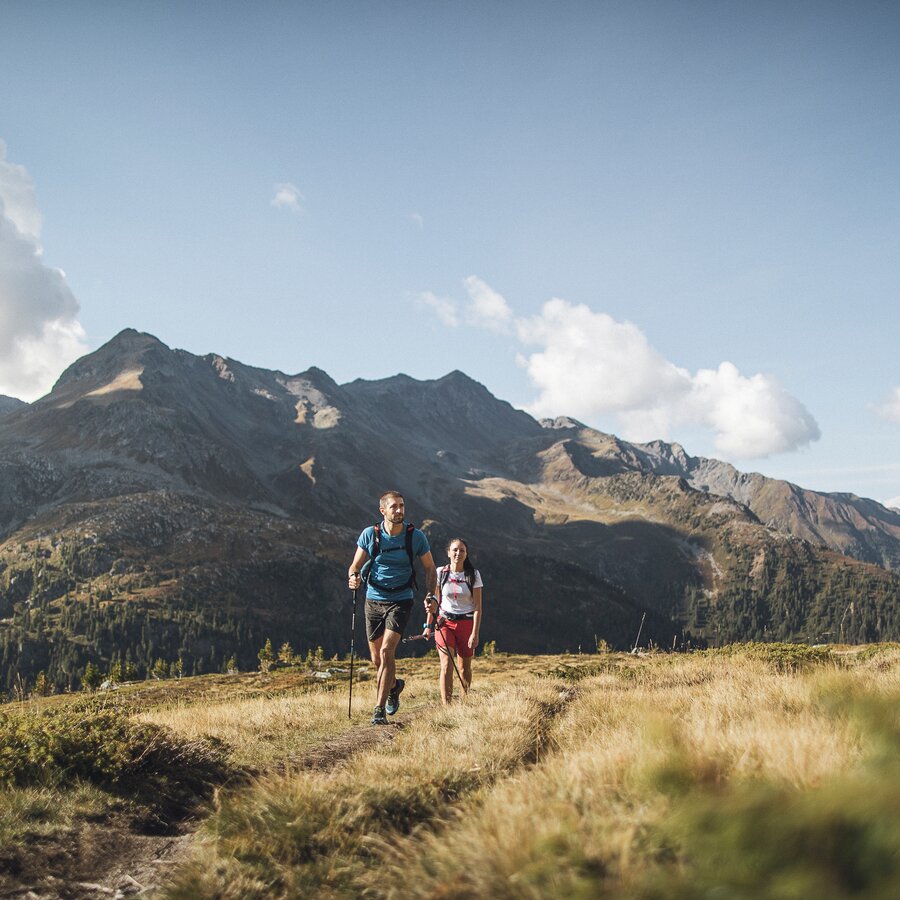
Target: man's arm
[[430, 582], [359, 560], [430, 572]]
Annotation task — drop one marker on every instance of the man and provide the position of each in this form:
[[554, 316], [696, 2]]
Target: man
[[392, 545]]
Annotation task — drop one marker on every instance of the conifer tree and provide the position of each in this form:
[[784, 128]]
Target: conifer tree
[[91, 679], [266, 656]]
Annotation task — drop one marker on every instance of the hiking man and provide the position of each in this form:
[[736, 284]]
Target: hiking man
[[389, 550]]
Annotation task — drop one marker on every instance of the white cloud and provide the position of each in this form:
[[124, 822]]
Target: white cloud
[[592, 365], [588, 366], [39, 329], [287, 196], [417, 219], [18, 197], [487, 308], [444, 308], [752, 416], [890, 409], [894, 502]]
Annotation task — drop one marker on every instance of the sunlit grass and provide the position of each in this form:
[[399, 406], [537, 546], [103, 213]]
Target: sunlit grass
[[311, 832], [757, 772]]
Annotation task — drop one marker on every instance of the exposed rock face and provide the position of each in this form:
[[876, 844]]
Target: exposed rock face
[[861, 528], [209, 504]]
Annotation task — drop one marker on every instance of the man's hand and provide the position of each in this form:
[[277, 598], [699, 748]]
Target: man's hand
[[431, 605], [353, 580]]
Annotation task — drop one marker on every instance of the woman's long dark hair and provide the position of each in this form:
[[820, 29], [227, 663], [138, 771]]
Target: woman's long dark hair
[[468, 568]]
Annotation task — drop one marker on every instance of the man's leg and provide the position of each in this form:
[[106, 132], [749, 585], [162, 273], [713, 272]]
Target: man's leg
[[387, 664], [375, 654]]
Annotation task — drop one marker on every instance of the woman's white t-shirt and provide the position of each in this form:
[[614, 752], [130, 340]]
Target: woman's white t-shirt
[[456, 598]]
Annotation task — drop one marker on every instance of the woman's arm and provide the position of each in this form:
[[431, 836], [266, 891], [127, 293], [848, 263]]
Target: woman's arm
[[476, 618]]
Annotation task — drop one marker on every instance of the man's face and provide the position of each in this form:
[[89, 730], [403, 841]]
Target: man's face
[[394, 509]]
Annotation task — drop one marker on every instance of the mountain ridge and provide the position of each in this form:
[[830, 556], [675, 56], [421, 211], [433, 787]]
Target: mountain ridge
[[159, 502]]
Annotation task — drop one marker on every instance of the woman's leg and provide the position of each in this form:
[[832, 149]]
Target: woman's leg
[[446, 678], [443, 639], [466, 671]]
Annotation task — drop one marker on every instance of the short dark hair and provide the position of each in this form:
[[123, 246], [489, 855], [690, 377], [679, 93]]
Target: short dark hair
[[388, 494]]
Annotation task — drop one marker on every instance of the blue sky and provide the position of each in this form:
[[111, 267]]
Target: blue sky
[[673, 220]]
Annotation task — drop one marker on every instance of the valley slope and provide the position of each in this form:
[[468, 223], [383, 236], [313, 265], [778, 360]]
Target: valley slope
[[162, 505]]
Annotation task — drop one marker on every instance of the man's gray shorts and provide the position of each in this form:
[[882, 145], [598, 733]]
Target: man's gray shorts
[[386, 614]]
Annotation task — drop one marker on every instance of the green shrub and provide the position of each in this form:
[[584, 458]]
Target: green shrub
[[102, 745], [783, 657]]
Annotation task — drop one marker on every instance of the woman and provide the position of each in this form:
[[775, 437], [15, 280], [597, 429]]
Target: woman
[[458, 616]]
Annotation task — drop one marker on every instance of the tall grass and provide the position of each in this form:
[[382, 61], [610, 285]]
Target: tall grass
[[725, 778], [746, 772], [311, 834]]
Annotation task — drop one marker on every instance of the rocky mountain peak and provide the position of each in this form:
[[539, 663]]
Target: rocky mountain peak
[[670, 459], [116, 366], [8, 404], [561, 423]]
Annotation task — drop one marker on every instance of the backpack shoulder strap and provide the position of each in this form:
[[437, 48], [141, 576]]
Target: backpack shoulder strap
[[376, 540], [410, 528], [443, 577]]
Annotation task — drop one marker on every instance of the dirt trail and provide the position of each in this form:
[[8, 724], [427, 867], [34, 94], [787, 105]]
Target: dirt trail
[[114, 859]]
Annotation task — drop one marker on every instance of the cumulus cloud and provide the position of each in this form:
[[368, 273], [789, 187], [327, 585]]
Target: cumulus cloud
[[890, 409], [894, 503], [584, 361], [752, 416], [588, 365], [591, 365], [487, 308], [287, 196], [442, 307], [39, 329], [417, 219]]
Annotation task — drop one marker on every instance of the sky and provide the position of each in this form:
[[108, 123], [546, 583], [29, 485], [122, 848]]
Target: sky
[[668, 220]]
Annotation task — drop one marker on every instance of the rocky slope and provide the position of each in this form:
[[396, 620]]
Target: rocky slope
[[158, 504], [853, 525], [8, 404]]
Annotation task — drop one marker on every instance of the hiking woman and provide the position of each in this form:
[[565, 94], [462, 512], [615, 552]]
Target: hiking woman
[[458, 616]]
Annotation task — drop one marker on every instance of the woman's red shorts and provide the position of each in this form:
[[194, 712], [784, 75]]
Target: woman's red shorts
[[454, 635]]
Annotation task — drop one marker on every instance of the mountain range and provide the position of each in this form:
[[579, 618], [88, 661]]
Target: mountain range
[[162, 505]]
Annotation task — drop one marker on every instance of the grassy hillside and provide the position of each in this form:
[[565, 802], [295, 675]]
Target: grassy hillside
[[750, 771]]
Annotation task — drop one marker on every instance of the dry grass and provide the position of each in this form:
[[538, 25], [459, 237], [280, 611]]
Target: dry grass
[[673, 744], [748, 773], [260, 731], [313, 833]]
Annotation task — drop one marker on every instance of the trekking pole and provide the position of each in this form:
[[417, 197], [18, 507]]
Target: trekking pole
[[422, 637], [634, 648], [352, 635], [446, 650]]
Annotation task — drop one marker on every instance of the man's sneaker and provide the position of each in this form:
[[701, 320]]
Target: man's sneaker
[[379, 718], [393, 700]]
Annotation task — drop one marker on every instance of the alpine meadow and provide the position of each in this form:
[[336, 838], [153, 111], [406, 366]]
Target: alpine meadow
[[749, 771], [687, 680], [449, 450]]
